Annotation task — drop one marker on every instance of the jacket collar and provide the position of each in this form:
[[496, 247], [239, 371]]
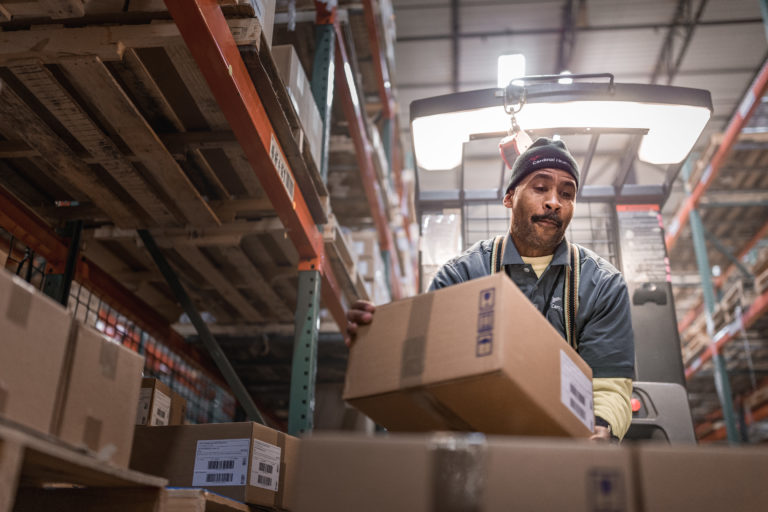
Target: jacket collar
[[512, 257]]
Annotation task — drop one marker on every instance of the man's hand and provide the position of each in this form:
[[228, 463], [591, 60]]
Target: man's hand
[[360, 313], [601, 435]]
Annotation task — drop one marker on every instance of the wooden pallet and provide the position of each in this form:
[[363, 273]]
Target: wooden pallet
[[694, 347], [739, 294], [38, 472], [761, 282]]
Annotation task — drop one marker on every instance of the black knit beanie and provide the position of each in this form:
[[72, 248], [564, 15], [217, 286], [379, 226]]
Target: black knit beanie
[[544, 153]]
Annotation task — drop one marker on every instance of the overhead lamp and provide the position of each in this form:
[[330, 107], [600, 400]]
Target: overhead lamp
[[509, 66], [672, 118]]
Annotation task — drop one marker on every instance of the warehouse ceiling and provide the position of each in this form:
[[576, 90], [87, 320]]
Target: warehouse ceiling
[[444, 46]]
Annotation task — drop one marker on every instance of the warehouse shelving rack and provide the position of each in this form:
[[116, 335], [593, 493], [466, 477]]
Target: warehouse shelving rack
[[229, 77], [727, 174]]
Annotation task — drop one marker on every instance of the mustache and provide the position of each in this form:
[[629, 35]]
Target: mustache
[[552, 217]]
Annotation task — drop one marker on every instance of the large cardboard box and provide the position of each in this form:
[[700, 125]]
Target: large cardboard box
[[34, 335], [99, 408], [245, 461], [300, 90], [476, 356], [159, 405], [462, 472], [702, 478]]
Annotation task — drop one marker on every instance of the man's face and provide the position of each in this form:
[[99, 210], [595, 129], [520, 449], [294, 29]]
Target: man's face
[[542, 208]]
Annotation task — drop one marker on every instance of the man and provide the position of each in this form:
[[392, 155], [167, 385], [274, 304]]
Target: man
[[541, 194]]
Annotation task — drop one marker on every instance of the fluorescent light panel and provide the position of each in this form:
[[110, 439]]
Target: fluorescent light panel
[[672, 128]]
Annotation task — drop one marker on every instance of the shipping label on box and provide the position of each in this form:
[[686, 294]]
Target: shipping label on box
[[221, 462]]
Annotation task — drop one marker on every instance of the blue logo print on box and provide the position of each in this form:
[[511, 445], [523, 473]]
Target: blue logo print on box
[[485, 323]]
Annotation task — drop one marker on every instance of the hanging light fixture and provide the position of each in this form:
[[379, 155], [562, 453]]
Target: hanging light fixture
[[672, 117]]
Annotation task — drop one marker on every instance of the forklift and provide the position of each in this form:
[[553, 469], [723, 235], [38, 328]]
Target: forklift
[[465, 143]]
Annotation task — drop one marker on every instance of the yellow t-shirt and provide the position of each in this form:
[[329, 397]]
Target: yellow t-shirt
[[539, 263]]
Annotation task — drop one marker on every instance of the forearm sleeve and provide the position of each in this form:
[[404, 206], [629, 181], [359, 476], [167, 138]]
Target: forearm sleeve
[[611, 397]]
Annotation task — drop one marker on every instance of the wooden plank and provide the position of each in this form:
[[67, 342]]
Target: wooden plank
[[48, 460], [17, 120], [229, 211], [228, 291], [93, 79], [254, 279], [16, 149], [62, 9], [142, 83], [193, 79], [57, 100], [106, 42], [140, 499], [209, 174], [11, 454], [198, 88], [200, 500]]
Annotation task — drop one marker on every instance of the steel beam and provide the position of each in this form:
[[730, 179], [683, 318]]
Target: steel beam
[[217, 354], [345, 83], [739, 120], [591, 28]]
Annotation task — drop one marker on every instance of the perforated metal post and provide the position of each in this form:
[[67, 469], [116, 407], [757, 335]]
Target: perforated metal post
[[323, 76], [722, 383], [304, 368]]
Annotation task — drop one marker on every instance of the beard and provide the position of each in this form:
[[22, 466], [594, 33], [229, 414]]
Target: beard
[[527, 228]]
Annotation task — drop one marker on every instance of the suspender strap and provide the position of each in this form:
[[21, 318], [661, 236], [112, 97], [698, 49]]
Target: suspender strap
[[498, 253], [571, 295]]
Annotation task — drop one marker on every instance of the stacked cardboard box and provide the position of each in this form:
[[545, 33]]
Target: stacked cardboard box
[[370, 265], [300, 91], [245, 461], [498, 474], [159, 405], [476, 357], [60, 377]]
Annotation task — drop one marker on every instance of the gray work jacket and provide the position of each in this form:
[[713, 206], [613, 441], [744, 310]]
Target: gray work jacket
[[603, 323]]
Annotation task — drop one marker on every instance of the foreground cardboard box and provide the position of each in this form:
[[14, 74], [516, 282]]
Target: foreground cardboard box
[[476, 357], [35, 331], [159, 405], [462, 472], [245, 461], [98, 409], [703, 478]]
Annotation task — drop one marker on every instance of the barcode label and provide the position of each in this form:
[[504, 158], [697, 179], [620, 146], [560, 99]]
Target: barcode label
[[265, 465], [219, 478], [576, 391], [221, 464]]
